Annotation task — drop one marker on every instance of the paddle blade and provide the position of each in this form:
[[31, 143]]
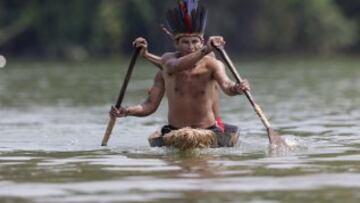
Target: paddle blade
[[275, 139], [108, 131]]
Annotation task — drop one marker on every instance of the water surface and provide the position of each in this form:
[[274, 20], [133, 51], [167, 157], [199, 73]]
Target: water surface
[[53, 116]]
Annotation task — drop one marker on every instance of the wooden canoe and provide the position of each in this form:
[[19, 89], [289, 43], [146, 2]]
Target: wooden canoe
[[188, 138]]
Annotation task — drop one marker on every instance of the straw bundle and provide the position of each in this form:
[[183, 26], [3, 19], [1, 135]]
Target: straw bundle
[[189, 138]]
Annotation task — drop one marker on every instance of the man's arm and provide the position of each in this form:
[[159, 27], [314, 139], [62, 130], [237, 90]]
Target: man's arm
[[228, 86], [149, 106], [152, 58], [174, 64], [155, 60]]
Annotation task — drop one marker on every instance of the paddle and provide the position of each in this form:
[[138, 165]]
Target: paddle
[[274, 138], [112, 120]]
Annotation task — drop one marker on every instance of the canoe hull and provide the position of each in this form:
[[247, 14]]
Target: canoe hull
[[188, 138]]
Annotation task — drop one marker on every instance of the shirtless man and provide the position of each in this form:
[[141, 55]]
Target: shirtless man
[[190, 78]]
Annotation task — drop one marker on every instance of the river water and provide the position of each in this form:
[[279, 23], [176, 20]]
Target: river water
[[53, 116]]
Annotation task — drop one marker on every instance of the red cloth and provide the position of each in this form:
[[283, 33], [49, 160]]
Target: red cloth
[[220, 124]]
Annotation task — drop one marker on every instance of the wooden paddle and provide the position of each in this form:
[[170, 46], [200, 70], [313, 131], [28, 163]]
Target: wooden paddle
[[112, 120], [274, 138]]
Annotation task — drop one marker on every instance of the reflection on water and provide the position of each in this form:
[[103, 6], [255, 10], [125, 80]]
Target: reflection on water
[[53, 118]]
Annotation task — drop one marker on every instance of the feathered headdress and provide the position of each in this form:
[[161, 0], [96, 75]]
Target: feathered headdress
[[187, 18]]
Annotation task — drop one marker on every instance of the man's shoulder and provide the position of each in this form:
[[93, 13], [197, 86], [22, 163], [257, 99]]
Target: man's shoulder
[[212, 61], [168, 55]]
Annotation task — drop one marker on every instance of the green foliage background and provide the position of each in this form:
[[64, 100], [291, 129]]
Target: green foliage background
[[78, 29]]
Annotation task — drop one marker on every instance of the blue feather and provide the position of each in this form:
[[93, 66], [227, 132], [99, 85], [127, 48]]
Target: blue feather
[[203, 19], [189, 6]]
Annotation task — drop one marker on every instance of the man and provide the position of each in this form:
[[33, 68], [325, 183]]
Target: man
[[189, 77]]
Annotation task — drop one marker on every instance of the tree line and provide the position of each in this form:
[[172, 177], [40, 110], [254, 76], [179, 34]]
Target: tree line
[[81, 28]]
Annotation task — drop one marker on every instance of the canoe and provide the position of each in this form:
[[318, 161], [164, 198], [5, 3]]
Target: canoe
[[189, 138]]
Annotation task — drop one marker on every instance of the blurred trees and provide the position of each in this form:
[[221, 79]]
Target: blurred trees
[[351, 8], [78, 28], [315, 26]]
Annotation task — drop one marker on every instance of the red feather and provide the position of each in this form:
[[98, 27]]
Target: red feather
[[188, 23]]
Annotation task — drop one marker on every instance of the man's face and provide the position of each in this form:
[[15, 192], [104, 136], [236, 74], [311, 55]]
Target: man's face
[[188, 45]]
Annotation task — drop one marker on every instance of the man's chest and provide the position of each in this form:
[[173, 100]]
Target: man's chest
[[193, 83], [196, 75]]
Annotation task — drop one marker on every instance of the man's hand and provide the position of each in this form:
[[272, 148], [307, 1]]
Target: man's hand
[[215, 42], [242, 87], [141, 43], [118, 113]]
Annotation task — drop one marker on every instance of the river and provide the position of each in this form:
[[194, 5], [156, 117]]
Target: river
[[53, 116]]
